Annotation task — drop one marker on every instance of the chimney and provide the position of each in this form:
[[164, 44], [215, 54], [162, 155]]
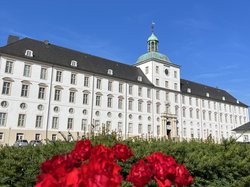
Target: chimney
[[46, 42], [12, 39]]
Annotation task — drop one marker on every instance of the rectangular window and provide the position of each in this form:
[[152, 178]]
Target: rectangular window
[[130, 89], [204, 115], [27, 70], [157, 69], [158, 130], [21, 120], [86, 81], [98, 100], [130, 105], [157, 94], [197, 114], [197, 102], [183, 99], [140, 91], [176, 98], [73, 78], [175, 86], [166, 84], [190, 100], [109, 104], [139, 106], [54, 137], [55, 121], [157, 109], [208, 103], [9, 67], [19, 136], [148, 93], [71, 97], [198, 134], [41, 93], [70, 124], [148, 108], [43, 74], [84, 125], [3, 118], [120, 87], [57, 96], [139, 128], [130, 128], [98, 83], [110, 86], [1, 136], [24, 91], [209, 116], [184, 112], [157, 82], [39, 121], [120, 103], [6, 88], [191, 113], [58, 76], [175, 74], [146, 70], [85, 98], [149, 129], [37, 136], [119, 126], [203, 103]]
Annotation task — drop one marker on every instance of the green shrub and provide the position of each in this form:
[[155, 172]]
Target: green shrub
[[226, 164]]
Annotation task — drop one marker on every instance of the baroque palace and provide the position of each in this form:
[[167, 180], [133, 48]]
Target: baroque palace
[[51, 92]]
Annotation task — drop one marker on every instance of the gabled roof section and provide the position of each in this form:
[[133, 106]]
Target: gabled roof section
[[214, 93], [56, 55], [245, 127]]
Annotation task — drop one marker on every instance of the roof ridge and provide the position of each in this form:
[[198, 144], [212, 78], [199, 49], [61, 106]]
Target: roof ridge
[[83, 53], [205, 85]]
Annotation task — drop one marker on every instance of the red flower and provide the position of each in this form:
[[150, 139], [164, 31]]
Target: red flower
[[82, 149], [47, 180], [163, 167], [101, 172], [122, 152], [73, 178], [140, 174], [101, 151], [182, 177]]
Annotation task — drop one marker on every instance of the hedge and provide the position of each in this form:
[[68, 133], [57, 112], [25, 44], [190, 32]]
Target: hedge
[[226, 164]]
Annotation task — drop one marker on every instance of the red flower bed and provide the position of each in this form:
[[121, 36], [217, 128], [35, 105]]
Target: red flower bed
[[88, 166]]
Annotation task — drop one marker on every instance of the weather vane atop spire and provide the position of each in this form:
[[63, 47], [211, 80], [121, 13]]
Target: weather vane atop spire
[[153, 26]]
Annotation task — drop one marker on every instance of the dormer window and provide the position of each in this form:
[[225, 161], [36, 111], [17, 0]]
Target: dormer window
[[207, 94], [139, 78], [29, 53], [223, 98], [110, 72], [238, 101], [73, 63], [189, 90]]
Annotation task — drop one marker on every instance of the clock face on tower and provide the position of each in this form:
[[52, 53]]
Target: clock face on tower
[[166, 71]]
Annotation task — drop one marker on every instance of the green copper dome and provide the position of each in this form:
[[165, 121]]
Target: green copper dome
[[152, 56], [152, 38]]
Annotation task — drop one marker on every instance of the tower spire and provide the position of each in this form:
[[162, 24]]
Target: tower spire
[[153, 26], [152, 40]]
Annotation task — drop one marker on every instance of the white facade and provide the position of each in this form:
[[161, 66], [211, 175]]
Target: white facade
[[58, 100]]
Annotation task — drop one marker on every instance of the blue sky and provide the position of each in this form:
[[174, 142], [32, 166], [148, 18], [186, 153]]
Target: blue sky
[[209, 39]]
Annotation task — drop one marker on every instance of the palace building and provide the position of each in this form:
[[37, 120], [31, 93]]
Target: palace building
[[51, 92]]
